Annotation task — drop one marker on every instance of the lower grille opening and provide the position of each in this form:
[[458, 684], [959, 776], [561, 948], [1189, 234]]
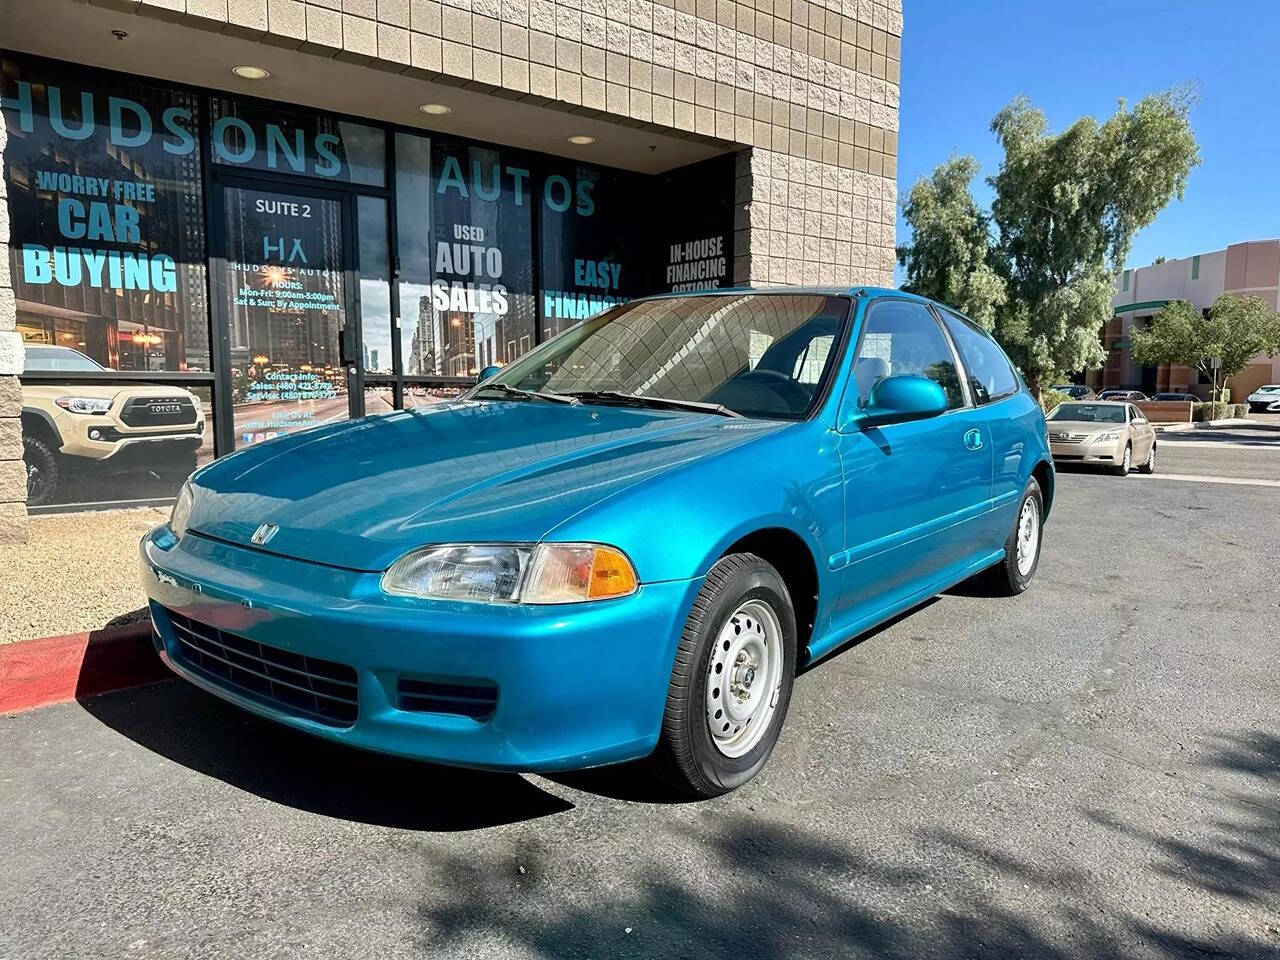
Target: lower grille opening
[[474, 700], [319, 690]]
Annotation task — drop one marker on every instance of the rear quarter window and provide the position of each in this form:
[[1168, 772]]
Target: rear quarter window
[[988, 371]]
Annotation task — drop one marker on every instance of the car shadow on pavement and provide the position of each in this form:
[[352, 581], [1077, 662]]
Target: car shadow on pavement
[[744, 885], [197, 730]]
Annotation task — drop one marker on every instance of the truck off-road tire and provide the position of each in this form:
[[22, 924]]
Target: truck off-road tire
[[734, 668], [43, 471], [1014, 573]]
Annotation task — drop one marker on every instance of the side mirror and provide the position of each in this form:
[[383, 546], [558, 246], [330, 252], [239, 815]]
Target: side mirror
[[488, 372], [900, 399]]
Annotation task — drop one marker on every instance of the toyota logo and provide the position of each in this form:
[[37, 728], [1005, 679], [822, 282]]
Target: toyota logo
[[166, 407]]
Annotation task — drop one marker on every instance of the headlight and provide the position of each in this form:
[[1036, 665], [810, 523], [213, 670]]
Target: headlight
[[84, 404], [512, 573], [1108, 435], [181, 511]]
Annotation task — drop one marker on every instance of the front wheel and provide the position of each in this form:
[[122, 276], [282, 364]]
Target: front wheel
[[43, 470], [1126, 463], [732, 679], [1150, 466]]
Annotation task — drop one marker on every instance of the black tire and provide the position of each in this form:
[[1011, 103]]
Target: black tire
[[44, 471], [1122, 469], [1005, 579], [1150, 466], [687, 756]]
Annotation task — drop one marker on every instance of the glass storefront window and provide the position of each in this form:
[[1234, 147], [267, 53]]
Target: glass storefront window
[[106, 217], [418, 320], [284, 293], [587, 262], [273, 138], [375, 284], [481, 301]]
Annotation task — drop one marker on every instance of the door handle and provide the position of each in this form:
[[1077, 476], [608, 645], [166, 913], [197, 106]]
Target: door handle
[[973, 439]]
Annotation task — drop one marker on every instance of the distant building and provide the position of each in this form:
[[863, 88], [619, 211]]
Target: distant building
[[1251, 269]]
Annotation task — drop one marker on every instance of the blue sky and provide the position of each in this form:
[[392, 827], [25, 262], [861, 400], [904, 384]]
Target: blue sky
[[965, 59]]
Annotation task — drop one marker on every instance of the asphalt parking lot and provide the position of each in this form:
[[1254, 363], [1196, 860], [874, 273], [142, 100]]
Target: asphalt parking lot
[[1091, 770]]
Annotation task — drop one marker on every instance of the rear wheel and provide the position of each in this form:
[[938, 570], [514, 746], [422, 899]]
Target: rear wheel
[[1014, 573], [43, 470], [1126, 463], [732, 679], [1150, 465]]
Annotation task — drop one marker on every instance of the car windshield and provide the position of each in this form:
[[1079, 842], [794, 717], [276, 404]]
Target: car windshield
[[59, 359], [754, 355], [1270, 388], [1088, 412]]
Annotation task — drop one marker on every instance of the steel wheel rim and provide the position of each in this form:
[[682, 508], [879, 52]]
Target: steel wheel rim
[[1028, 535], [1128, 459], [744, 678]]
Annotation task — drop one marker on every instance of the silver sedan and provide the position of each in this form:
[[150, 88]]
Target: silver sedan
[[1102, 433]]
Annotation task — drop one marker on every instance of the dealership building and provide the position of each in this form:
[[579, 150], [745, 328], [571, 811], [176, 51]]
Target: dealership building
[[1247, 269], [225, 220]]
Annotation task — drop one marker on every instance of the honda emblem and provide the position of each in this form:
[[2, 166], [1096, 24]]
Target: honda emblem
[[264, 533]]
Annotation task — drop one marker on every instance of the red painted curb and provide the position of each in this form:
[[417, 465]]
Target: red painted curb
[[37, 673]]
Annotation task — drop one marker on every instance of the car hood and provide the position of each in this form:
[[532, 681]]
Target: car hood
[[1081, 426], [360, 494]]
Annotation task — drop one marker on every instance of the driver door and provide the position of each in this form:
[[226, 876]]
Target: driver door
[[916, 494]]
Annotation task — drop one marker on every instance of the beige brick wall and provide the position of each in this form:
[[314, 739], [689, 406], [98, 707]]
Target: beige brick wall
[[809, 88], [13, 478]]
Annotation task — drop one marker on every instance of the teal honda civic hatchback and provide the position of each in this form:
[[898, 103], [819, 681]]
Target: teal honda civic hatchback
[[622, 544]]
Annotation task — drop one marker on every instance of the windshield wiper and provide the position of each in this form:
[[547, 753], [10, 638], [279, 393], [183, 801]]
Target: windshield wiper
[[657, 403], [528, 394]]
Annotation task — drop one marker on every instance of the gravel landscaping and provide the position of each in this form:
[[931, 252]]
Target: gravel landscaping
[[76, 572]]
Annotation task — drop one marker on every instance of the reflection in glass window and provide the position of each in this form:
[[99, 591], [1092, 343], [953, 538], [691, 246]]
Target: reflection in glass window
[[106, 216], [991, 377], [418, 321], [695, 348], [481, 302], [92, 443], [375, 284], [901, 337], [587, 263]]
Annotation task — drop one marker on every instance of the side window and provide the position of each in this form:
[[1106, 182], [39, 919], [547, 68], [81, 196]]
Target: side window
[[1136, 415], [901, 337], [991, 376]]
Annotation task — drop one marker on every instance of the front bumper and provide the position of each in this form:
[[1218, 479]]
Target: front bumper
[[1264, 406], [577, 685], [118, 444], [1109, 453]]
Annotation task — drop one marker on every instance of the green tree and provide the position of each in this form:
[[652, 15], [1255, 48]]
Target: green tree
[[1222, 342], [1065, 212], [947, 258]]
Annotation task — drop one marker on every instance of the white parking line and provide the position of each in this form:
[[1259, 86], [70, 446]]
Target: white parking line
[[1196, 478], [1221, 445]]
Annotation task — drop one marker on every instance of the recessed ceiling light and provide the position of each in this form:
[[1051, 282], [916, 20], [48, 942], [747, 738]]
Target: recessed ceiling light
[[435, 109], [249, 72], [582, 139]]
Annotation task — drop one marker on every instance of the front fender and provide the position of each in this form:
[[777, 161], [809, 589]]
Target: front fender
[[676, 525]]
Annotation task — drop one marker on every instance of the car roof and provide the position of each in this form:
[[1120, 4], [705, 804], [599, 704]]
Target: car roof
[[860, 290], [1097, 403]]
